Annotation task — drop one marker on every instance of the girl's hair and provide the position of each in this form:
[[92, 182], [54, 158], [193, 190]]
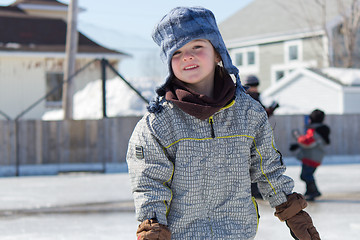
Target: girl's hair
[[317, 116]]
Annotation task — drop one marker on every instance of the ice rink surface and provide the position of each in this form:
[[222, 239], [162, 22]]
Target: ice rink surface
[[96, 206]]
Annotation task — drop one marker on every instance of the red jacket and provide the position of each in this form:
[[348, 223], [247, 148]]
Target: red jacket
[[312, 144]]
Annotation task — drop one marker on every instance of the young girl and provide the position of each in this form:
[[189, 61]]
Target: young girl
[[193, 157]]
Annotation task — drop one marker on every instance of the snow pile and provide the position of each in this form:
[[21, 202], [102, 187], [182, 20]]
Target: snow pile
[[121, 99], [347, 76]]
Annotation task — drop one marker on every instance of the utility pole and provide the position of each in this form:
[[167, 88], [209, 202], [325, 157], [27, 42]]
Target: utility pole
[[70, 60]]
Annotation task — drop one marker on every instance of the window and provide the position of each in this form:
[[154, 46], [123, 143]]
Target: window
[[279, 71], [54, 84], [238, 59], [293, 51], [246, 59], [279, 74], [251, 58]]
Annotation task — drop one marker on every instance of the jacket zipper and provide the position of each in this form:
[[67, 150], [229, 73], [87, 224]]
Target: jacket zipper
[[211, 121]]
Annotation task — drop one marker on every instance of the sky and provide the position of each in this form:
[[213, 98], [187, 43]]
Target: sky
[[126, 26], [139, 17]]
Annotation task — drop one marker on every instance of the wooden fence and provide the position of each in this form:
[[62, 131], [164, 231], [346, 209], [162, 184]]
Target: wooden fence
[[105, 140], [68, 141], [344, 136]]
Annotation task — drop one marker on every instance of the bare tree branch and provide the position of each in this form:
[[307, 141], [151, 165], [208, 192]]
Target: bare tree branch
[[349, 30]]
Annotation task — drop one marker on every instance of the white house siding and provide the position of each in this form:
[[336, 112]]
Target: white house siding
[[304, 94], [352, 100], [23, 81]]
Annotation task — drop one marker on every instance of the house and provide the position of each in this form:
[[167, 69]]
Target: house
[[271, 38], [32, 55], [333, 90]]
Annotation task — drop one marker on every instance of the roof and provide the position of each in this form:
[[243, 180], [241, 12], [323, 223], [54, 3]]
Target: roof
[[39, 2], [305, 89], [20, 32], [268, 18], [333, 77], [346, 76]]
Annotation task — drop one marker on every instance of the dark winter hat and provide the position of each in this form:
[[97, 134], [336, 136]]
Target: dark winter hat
[[184, 24], [251, 81], [317, 116]]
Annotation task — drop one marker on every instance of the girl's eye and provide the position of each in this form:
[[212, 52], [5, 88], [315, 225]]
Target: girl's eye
[[176, 53], [197, 47]]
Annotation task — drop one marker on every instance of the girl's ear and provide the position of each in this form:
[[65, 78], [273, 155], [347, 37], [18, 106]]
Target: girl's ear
[[217, 58]]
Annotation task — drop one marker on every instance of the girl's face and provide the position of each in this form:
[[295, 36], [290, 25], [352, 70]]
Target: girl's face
[[194, 64]]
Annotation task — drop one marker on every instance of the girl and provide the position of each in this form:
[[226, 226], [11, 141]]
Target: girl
[[193, 157]]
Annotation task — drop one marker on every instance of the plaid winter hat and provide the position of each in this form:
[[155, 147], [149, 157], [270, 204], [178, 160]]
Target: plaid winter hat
[[184, 24]]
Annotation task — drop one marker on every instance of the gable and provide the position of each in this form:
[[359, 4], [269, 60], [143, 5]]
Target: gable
[[306, 78], [302, 91]]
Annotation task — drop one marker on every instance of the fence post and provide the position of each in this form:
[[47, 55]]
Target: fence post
[[17, 145], [127, 83], [103, 77]]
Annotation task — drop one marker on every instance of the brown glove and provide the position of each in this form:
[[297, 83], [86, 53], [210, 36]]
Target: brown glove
[[150, 229], [299, 221]]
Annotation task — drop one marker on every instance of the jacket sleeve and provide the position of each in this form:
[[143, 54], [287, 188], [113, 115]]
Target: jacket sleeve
[[150, 174], [267, 167], [308, 140]]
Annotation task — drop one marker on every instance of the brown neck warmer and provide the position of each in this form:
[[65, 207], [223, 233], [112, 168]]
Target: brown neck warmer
[[199, 105]]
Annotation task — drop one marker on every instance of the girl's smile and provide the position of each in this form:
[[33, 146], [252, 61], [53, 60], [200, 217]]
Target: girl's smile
[[191, 67]]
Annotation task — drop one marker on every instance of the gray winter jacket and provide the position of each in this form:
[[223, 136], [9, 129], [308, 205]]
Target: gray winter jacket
[[195, 176], [313, 143]]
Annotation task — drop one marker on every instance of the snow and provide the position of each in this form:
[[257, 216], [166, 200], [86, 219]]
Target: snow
[[121, 99], [26, 203], [347, 76], [304, 90]]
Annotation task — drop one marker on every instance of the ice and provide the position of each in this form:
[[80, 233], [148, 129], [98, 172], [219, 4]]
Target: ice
[[99, 206]]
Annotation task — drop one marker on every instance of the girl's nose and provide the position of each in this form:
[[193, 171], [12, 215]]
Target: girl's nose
[[187, 56]]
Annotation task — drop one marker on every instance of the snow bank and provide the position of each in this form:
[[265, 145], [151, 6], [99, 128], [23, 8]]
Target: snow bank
[[347, 76], [121, 99]]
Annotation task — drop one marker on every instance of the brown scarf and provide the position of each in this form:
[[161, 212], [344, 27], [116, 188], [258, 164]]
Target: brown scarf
[[200, 105]]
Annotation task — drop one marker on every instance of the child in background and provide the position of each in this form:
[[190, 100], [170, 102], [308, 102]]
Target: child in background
[[193, 157], [251, 83], [311, 150]]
